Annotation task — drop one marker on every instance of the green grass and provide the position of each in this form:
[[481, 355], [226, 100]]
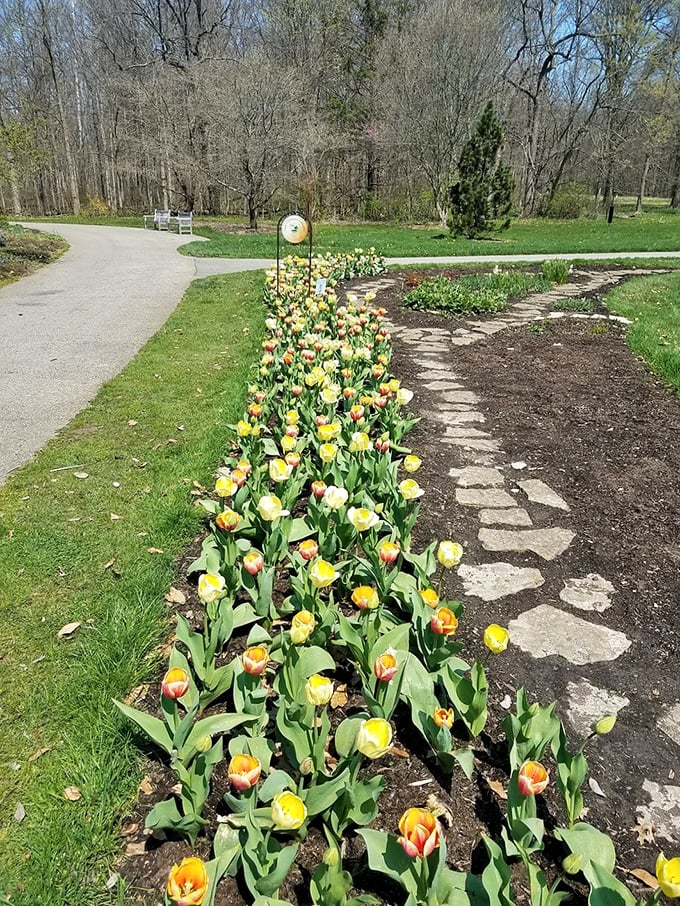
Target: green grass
[[655, 230], [56, 539], [653, 304]]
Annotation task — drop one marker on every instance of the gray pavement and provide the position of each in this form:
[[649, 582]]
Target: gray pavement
[[72, 326]]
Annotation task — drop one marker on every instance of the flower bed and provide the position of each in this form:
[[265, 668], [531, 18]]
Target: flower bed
[[321, 624]]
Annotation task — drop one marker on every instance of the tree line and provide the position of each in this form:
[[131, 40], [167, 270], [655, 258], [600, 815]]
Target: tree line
[[348, 108]]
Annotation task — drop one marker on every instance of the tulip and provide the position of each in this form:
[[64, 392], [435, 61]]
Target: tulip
[[255, 659], [318, 690], [382, 446], [244, 771], [229, 520], [443, 717], [356, 413], [292, 417], [404, 396], [668, 876], [449, 554], [288, 443], [394, 385], [365, 597], [444, 622], [239, 476], [188, 882], [175, 683], [279, 470], [360, 443], [225, 487], [388, 551], [328, 432], [255, 410], [328, 452], [496, 638], [243, 428], [293, 459], [322, 574], [429, 596], [253, 562], [386, 666], [412, 463], [308, 549], [335, 497], [410, 489], [320, 420], [297, 390], [211, 587], [420, 834], [288, 811], [374, 738], [318, 488], [362, 519], [532, 778], [270, 508], [244, 466], [301, 627], [605, 725]]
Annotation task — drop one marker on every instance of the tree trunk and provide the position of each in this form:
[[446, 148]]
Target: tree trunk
[[675, 185], [14, 186], [252, 213], [643, 185]]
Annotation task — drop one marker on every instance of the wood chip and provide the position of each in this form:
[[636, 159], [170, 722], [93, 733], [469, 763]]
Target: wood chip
[[135, 849], [129, 829], [39, 754], [81, 475], [401, 753], [137, 693], [596, 788], [648, 879], [645, 830], [339, 698], [154, 550], [146, 786], [112, 880], [497, 787], [68, 630], [72, 793], [175, 596]]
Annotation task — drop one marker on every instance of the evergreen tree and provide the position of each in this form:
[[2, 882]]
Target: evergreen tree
[[481, 198]]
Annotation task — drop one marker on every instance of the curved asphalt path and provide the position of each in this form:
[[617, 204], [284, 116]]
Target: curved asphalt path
[[75, 324]]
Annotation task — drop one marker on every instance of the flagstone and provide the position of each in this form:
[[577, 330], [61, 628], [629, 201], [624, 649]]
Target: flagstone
[[544, 631], [475, 476], [518, 516], [590, 593], [491, 581], [471, 415], [663, 811], [669, 723], [586, 704], [460, 396], [548, 543], [484, 497]]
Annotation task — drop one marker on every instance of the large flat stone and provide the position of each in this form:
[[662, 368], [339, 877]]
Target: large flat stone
[[460, 396], [517, 516], [547, 543], [443, 385], [545, 631], [663, 811], [669, 723], [587, 704], [477, 476], [590, 593], [460, 418], [471, 443], [465, 431], [539, 492], [467, 340], [491, 581], [484, 497]]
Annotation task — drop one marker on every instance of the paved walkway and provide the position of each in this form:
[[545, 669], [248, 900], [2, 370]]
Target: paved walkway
[[70, 327]]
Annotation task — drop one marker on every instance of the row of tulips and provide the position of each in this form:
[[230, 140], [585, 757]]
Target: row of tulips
[[309, 557]]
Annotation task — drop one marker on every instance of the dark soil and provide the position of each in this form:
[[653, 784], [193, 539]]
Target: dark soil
[[574, 403]]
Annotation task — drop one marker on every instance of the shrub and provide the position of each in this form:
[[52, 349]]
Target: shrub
[[556, 271], [95, 207], [572, 201]]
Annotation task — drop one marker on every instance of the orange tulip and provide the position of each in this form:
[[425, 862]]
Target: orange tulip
[[444, 622], [532, 778], [175, 683], [388, 551], [365, 597], [443, 717], [255, 659], [420, 834], [188, 882], [244, 771], [385, 666], [229, 520], [308, 549]]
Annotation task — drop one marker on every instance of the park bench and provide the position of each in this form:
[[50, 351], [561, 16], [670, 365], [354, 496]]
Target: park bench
[[159, 219], [184, 222]]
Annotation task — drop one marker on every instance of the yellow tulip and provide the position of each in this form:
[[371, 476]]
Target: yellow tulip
[[211, 587], [318, 690], [322, 574], [360, 443], [374, 738], [412, 463], [288, 443], [335, 497], [496, 638], [362, 519], [301, 627], [404, 396], [288, 811], [668, 876], [328, 452], [243, 428], [188, 882], [225, 487], [270, 508], [449, 554], [410, 489], [365, 597], [279, 470]]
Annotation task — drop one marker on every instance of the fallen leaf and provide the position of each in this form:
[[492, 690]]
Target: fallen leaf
[[72, 793], [497, 787], [68, 630], [135, 849], [131, 423], [154, 550], [645, 877], [129, 829], [596, 788], [137, 693], [115, 516], [402, 753], [146, 786], [39, 754], [645, 830], [109, 564], [439, 809], [20, 812], [339, 698], [175, 596], [112, 880], [81, 475], [142, 534]]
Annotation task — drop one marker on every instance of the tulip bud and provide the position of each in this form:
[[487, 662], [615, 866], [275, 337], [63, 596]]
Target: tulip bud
[[288, 811], [318, 690], [532, 778], [388, 552], [175, 683], [307, 766], [443, 717], [255, 659], [308, 549], [331, 857], [204, 744], [374, 738], [449, 554], [318, 489], [253, 562], [365, 597], [571, 865], [605, 725], [496, 638], [301, 627], [244, 771], [385, 666]]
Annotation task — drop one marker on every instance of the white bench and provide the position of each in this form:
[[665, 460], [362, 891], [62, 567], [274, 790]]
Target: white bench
[[185, 222], [160, 220]]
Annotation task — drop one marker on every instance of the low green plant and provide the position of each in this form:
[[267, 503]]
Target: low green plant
[[574, 305], [475, 294], [555, 270]]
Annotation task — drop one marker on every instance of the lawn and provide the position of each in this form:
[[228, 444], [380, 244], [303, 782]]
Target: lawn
[[102, 550], [653, 304]]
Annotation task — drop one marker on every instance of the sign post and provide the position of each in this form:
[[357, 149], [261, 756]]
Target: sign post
[[295, 229]]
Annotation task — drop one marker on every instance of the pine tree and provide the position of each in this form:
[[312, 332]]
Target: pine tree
[[481, 198]]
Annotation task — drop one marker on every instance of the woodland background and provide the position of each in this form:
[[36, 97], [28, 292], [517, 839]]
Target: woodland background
[[352, 108]]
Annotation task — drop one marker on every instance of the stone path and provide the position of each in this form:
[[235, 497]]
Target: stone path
[[508, 503]]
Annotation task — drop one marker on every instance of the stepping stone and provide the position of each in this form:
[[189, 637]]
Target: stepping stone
[[434, 365], [669, 723], [517, 516], [460, 396], [465, 341], [663, 811], [484, 497], [461, 418], [489, 329], [466, 432], [539, 492], [435, 375], [466, 443], [589, 593], [443, 385], [491, 581], [476, 476], [547, 543], [588, 703], [544, 631]]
